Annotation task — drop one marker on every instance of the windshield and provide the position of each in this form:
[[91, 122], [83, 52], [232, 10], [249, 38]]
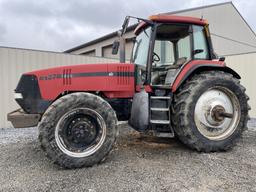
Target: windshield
[[141, 47]]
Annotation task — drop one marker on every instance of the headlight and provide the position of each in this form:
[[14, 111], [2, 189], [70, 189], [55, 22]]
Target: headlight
[[18, 96]]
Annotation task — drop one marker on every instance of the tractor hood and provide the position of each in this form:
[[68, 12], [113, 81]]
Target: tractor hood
[[37, 89], [65, 72]]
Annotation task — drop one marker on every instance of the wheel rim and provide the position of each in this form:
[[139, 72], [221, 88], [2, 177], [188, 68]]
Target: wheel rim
[[80, 132], [217, 113]]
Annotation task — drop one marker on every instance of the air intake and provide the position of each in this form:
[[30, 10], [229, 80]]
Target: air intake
[[67, 77], [123, 73]]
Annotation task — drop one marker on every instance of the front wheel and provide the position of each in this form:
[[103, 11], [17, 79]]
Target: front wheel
[[210, 111], [78, 130]]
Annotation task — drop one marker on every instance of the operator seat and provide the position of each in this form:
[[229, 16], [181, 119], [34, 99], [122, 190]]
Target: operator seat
[[174, 69], [155, 79]]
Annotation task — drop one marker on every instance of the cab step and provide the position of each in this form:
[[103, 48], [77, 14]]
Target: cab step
[[160, 115], [159, 109], [165, 122], [160, 97]]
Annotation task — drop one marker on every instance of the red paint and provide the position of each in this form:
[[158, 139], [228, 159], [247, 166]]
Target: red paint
[[189, 66], [177, 19], [138, 88], [111, 86], [148, 88], [172, 19], [140, 26]]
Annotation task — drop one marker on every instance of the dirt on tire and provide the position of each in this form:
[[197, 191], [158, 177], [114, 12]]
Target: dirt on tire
[[51, 117], [184, 108]]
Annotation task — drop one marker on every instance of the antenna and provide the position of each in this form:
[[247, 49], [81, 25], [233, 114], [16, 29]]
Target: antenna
[[202, 10]]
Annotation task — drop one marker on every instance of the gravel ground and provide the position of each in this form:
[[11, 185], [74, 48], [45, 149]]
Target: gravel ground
[[136, 164]]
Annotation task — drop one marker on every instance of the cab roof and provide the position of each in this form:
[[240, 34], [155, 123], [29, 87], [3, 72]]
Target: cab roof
[[172, 19]]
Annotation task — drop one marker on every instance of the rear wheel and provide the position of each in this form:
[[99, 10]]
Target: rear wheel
[[210, 111], [78, 130]]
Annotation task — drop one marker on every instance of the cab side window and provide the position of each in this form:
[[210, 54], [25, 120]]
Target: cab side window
[[200, 43], [164, 49]]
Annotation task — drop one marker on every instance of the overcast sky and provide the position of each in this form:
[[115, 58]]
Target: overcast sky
[[57, 25]]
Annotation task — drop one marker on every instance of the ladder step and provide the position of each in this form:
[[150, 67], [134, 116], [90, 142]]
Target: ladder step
[[159, 109], [160, 97], [160, 122]]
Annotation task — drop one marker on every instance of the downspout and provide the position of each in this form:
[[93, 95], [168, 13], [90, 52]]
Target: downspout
[[122, 49]]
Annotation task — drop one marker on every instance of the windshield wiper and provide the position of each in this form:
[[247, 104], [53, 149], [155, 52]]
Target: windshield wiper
[[137, 48], [145, 33]]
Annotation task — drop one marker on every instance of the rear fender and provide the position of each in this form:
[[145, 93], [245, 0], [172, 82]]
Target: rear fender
[[198, 66]]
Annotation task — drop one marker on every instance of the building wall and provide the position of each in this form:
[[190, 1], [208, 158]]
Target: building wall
[[230, 33], [14, 62], [245, 65], [89, 53], [106, 47]]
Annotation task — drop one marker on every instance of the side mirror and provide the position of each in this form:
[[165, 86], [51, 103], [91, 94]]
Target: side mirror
[[115, 47], [222, 59], [197, 51], [125, 24]]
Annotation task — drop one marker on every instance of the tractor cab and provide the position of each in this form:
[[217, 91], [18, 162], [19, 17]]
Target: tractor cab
[[163, 47], [166, 43]]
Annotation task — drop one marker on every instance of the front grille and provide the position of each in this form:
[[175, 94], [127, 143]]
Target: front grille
[[32, 101]]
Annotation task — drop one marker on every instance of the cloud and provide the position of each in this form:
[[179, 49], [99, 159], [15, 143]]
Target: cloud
[[2, 31], [59, 25]]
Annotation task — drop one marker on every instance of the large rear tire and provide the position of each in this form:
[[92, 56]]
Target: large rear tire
[[210, 111], [78, 130]]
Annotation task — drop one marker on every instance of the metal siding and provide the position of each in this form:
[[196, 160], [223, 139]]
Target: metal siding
[[225, 21], [107, 52], [128, 50], [14, 62], [245, 65]]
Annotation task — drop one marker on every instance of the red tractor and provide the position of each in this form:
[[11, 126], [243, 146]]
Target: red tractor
[[174, 86]]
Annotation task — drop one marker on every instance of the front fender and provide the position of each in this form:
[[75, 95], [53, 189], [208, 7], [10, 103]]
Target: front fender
[[198, 66]]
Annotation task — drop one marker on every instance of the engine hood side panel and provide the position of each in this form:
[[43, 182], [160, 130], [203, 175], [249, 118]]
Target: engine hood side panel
[[114, 80]]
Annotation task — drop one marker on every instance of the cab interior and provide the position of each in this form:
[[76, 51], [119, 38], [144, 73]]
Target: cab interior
[[173, 48]]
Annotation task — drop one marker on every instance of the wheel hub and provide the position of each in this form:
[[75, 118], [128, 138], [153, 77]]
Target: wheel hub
[[80, 132], [217, 113]]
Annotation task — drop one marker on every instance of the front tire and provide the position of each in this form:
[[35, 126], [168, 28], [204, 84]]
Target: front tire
[[210, 111], [78, 130]]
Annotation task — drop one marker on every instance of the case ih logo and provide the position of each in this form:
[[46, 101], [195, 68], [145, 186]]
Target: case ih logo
[[51, 77]]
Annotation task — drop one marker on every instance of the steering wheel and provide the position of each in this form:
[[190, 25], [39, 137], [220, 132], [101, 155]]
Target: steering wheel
[[156, 57]]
